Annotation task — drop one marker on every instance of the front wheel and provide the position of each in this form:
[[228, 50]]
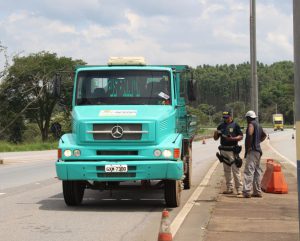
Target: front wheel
[[73, 192], [173, 193]]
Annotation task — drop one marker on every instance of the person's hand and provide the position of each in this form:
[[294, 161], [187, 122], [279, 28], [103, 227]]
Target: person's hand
[[216, 135], [229, 138]]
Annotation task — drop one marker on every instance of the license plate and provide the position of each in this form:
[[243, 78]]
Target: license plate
[[116, 168]]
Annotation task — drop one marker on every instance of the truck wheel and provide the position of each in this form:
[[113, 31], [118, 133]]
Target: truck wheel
[[73, 192], [187, 181], [172, 193]]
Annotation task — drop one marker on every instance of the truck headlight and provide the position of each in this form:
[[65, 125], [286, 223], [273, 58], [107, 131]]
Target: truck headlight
[[67, 153], [157, 153], [76, 153], [167, 153]]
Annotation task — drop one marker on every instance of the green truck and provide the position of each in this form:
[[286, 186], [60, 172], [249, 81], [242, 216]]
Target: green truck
[[129, 123]]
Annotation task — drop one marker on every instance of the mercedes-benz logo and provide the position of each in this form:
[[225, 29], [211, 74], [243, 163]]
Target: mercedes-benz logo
[[117, 132]]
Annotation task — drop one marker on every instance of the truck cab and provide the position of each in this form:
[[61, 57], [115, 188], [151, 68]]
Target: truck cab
[[278, 122], [129, 123]]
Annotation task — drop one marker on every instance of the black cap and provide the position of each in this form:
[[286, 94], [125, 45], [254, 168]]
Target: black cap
[[226, 114]]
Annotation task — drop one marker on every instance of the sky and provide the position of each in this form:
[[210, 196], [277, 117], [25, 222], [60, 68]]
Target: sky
[[192, 32]]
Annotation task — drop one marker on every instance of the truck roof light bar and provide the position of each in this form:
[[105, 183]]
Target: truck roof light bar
[[119, 61]]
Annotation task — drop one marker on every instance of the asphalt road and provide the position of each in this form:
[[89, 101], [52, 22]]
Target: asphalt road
[[21, 168], [283, 142], [32, 206]]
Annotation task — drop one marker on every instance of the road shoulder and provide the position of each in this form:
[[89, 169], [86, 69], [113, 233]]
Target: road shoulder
[[273, 217], [227, 218]]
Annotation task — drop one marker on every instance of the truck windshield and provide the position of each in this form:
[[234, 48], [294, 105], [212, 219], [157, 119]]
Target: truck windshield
[[123, 87]]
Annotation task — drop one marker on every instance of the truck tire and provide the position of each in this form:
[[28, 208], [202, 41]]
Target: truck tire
[[187, 181], [188, 175], [172, 193], [73, 192]]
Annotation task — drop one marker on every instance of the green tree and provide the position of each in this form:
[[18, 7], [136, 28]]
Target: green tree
[[229, 85], [29, 84]]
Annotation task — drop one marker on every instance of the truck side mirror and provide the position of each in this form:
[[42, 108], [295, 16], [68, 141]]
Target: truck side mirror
[[57, 86], [191, 90]]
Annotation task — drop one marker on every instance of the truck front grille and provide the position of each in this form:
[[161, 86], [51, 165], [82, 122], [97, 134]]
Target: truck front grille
[[117, 131]]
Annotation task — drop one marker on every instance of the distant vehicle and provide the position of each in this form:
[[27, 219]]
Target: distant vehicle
[[278, 122]]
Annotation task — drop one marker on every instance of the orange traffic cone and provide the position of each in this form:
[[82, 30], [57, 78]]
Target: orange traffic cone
[[267, 175], [280, 185], [203, 141], [164, 231], [273, 180]]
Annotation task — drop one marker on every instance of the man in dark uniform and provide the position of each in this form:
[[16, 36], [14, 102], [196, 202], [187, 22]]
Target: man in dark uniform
[[253, 152], [230, 133]]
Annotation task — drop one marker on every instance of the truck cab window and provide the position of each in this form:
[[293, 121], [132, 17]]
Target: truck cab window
[[126, 87]]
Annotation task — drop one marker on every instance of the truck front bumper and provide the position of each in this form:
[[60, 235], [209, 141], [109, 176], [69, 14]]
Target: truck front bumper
[[137, 170]]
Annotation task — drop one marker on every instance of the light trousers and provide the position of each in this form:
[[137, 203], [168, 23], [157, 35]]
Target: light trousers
[[232, 173], [252, 173]]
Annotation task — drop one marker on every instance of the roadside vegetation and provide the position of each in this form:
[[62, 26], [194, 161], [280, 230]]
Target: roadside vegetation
[[6, 146], [29, 110]]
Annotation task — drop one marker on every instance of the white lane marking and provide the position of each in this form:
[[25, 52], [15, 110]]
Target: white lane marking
[[175, 225], [282, 156], [2, 193]]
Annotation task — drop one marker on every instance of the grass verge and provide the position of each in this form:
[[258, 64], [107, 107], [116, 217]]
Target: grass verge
[[37, 146], [204, 133]]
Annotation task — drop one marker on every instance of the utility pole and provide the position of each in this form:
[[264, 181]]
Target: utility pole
[[294, 120], [254, 83], [296, 10]]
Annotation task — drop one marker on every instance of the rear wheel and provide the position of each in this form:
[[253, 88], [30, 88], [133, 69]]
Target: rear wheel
[[172, 193], [187, 181], [188, 175], [73, 192]]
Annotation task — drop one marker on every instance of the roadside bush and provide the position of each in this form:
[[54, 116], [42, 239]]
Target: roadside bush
[[32, 133], [64, 119]]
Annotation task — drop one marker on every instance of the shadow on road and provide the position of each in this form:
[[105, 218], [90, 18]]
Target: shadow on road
[[108, 201]]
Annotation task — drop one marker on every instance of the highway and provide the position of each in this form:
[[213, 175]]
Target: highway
[[282, 142], [32, 205], [22, 168]]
